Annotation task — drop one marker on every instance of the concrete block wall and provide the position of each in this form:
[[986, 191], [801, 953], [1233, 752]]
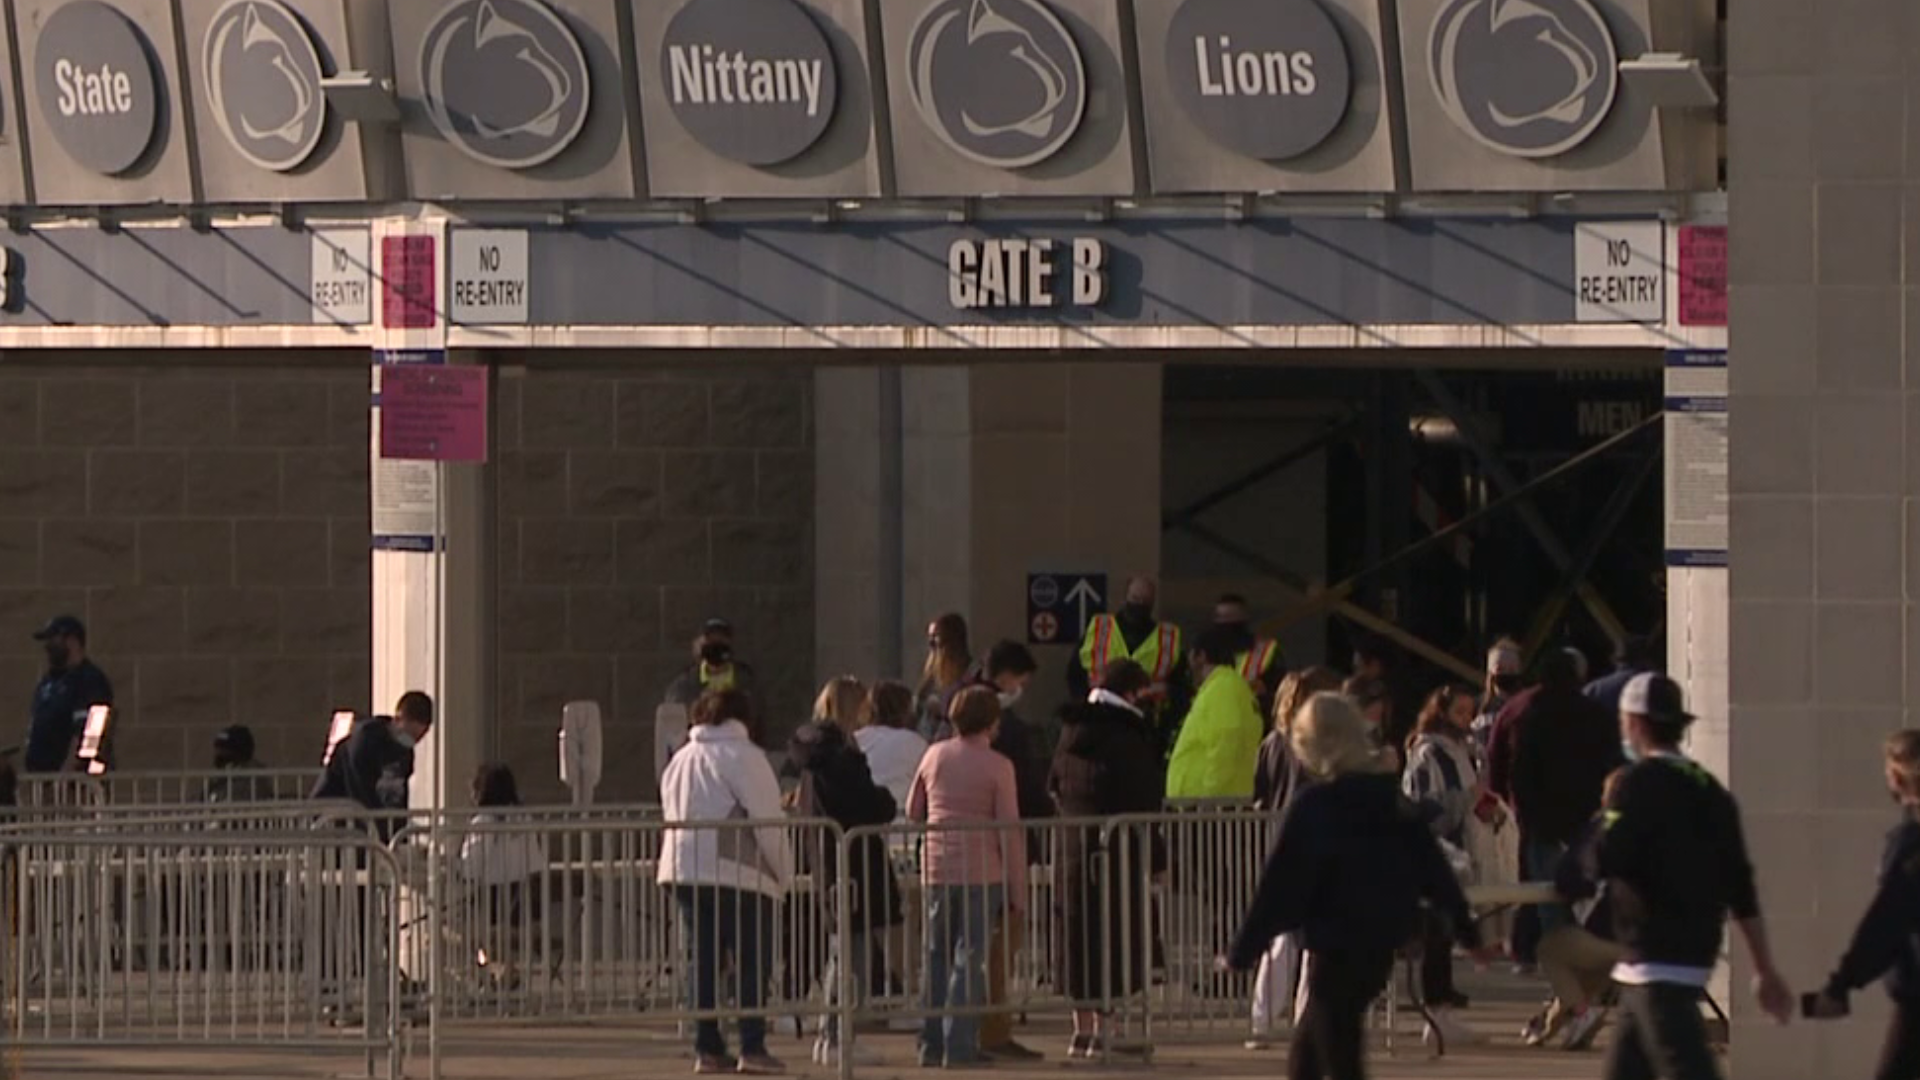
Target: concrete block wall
[[1824, 189], [210, 525], [633, 504]]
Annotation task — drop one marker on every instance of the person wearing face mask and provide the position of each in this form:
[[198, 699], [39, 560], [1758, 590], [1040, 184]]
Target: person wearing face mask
[[1136, 634], [373, 766], [1009, 671], [72, 685], [1886, 943], [714, 666], [1260, 660], [1674, 858]]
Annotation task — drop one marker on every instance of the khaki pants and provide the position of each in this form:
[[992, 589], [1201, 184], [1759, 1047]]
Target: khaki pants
[[1578, 964], [996, 1029]]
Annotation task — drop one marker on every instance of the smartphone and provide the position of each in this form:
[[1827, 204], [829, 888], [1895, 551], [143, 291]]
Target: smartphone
[[337, 732], [1810, 1008]]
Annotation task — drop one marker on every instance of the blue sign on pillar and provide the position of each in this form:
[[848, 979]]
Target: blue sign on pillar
[[1059, 606]]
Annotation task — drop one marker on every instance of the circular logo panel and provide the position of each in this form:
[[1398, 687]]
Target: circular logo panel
[[753, 80], [505, 81], [97, 86], [1000, 81], [263, 80], [1267, 78], [1528, 78]]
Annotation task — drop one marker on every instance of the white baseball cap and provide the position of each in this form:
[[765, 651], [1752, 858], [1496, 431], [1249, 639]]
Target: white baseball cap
[[1655, 697], [1503, 659]]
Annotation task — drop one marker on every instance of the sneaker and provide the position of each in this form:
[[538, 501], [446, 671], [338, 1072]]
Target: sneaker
[[761, 1064], [1013, 1051], [1585, 1026], [1544, 1025], [714, 1064], [1259, 1042]]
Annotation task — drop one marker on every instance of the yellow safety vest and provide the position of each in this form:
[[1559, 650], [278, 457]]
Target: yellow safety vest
[[1254, 663], [1104, 644]]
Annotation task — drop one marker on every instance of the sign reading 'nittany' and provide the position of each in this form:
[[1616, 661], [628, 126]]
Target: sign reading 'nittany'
[[752, 80]]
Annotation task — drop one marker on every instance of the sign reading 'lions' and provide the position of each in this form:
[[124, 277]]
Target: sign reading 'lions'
[[506, 81], [1529, 78], [97, 86], [263, 79], [1270, 80], [1000, 81], [753, 80]]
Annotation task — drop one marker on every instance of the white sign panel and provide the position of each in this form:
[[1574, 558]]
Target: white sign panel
[[487, 277], [406, 493], [1696, 458], [1619, 272], [342, 277]]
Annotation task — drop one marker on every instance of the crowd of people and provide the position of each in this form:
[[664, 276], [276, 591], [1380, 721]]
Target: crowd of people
[[1381, 822]]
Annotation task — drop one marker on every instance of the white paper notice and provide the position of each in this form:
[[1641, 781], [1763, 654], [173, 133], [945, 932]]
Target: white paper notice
[[1696, 458]]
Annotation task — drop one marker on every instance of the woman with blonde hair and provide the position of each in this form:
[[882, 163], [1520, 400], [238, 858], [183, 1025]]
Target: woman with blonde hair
[[1278, 778], [1349, 872], [840, 703]]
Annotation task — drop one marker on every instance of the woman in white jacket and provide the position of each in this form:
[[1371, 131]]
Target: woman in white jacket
[[726, 879]]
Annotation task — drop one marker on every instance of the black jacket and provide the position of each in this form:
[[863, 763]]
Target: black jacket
[[1353, 862], [1887, 941], [1675, 861], [1278, 776], [1108, 763], [836, 784], [1564, 745], [60, 704], [371, 768]]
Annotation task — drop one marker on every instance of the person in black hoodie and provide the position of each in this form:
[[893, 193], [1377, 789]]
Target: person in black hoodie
[[1353, 863], [836, 784], [1108, 763], [1675, 862], [1887, 941]]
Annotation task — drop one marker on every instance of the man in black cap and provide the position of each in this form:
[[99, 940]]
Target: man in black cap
[[71, 686], [1675, 863], [714, 666]]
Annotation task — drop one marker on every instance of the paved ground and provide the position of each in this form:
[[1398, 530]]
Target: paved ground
[[635, 1052]]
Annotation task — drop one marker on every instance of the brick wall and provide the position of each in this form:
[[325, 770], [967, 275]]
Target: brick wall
[[634, 504], [210, 525]]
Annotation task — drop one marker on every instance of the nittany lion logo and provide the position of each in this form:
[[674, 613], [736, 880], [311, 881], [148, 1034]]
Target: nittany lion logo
[[506, 81], [263, 81], [1000, 81], [1528, 78]]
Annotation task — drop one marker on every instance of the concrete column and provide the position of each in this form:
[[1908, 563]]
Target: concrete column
[[1003, 469], [433, 578]]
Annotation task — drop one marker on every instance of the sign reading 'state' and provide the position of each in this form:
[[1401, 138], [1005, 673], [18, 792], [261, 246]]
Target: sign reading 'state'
[[97, 86]]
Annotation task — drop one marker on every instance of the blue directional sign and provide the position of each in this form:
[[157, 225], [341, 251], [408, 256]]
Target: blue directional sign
[[1059, 606]]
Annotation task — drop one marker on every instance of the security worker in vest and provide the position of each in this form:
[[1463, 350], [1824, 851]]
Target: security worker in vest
[[1260, 660], [1136, 634]]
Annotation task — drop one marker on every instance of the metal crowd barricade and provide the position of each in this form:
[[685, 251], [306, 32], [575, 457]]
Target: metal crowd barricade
[[170, 788], [559, 915], [232, 939]]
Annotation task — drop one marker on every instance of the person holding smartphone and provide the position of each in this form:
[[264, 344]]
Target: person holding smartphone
[[1886, 943]]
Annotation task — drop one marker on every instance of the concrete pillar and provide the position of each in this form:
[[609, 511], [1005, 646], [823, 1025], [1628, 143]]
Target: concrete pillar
[[433, 579], [1003, 469]]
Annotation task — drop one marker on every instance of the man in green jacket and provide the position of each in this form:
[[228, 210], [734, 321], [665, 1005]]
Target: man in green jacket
[[1220, 742]]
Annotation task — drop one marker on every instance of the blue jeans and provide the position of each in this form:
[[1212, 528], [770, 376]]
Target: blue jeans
[[960, 922], [1539, 861], [855, 955], [716, 921]]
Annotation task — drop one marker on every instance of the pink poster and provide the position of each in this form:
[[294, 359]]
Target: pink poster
[[1703, 275], [433, 412]]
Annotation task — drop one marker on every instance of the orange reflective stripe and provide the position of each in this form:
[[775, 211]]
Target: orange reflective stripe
[[1098, 656], [1163, 663]]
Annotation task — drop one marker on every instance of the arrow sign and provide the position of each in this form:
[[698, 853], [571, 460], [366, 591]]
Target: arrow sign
[[1060, 605], [1083, 594]]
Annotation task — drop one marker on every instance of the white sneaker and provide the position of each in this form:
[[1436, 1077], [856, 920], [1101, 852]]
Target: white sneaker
[[1581, 1030], [826, 1053]]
